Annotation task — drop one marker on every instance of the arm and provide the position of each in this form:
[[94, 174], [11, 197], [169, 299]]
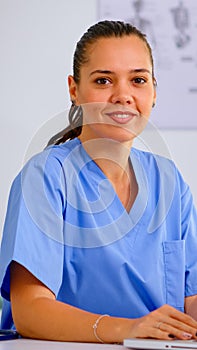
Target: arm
[[37, 314], [191, 306]]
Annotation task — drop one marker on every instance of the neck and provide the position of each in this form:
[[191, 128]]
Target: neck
[[110, 155], [113, 159]]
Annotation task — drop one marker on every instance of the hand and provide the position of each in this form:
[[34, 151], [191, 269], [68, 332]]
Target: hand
[[165, 323]]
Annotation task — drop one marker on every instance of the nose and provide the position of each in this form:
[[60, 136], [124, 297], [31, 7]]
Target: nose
[[122, 94]]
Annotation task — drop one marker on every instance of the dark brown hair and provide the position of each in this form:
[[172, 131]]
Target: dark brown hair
[[103, 29]]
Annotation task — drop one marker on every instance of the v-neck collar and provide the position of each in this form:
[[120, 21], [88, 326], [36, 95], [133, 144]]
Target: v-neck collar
[[141, 199]]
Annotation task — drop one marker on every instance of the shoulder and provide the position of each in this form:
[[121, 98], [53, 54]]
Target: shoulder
[[151, 159], [159, 168], [57, 153], [46, 166], [52, 157]]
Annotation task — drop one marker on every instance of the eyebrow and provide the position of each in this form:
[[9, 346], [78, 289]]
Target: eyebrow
[[137, 70]]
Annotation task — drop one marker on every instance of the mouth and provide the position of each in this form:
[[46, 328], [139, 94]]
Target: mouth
[[122, 117]]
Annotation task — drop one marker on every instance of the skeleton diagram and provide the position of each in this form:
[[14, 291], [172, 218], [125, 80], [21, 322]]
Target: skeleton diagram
[[142, 23], [181, 21]]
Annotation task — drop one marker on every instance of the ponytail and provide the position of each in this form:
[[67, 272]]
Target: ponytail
[[74, 128]]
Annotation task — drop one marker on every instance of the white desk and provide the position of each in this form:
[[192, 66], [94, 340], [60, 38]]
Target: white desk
[[28, 344]]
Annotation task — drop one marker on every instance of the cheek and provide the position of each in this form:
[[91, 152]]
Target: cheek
[[146, 103], [88, 95], [86, 98], [92, 112]]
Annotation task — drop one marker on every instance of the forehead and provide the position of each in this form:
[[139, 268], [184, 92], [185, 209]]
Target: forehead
[[122, 51]]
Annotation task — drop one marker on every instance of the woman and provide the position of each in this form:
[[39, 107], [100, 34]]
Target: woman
[[100, 238]]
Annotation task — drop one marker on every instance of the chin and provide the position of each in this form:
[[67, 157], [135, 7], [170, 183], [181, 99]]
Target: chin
[[121, 134], [121, 137]]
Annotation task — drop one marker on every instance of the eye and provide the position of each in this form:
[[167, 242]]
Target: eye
[[139, 80], [102, 81]]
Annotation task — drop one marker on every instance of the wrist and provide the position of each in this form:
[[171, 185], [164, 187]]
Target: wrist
[[109, 329]]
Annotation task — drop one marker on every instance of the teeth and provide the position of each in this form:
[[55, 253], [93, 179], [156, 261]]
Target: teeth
[[122, 116]]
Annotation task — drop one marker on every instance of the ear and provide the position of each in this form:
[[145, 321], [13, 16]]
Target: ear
[[154, 94], [72, 89], [154, 100]]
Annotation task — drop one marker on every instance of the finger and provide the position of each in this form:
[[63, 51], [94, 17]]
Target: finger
[[180, 333], [144, 331], [178, 319], [187, 320], [181, 326], [178, 315], [158, 334]]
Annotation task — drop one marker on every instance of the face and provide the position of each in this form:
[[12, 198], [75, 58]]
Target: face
[[116, 89]]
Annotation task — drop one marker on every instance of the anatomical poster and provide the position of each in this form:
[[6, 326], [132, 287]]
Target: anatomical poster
[[171, 29]]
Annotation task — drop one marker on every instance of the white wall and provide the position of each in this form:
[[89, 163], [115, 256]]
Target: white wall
[[37, 39]]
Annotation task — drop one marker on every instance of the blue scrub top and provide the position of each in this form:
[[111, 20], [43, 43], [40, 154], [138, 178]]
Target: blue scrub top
[[66, 225]]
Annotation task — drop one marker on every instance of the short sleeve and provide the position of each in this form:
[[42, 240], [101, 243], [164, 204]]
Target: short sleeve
[[33, 230], [189, 234]]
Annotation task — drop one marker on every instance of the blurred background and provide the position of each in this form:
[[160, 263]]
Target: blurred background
[[37, 41]]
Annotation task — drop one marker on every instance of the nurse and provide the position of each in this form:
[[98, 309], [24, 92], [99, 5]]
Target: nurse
[[100, 238]]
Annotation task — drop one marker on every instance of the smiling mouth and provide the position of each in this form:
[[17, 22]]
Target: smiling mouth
[[122, 117]]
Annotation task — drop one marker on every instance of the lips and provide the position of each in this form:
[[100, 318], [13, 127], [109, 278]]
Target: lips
[[122, 117]]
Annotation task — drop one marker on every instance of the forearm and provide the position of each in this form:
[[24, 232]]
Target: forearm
[[191, 306], [37, 314], [53, 320]]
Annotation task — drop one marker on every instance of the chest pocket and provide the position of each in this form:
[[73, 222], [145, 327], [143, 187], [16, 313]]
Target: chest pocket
[[174, 269]]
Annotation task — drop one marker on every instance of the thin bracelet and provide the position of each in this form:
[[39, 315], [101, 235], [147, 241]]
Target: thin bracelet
[[95, 326]]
